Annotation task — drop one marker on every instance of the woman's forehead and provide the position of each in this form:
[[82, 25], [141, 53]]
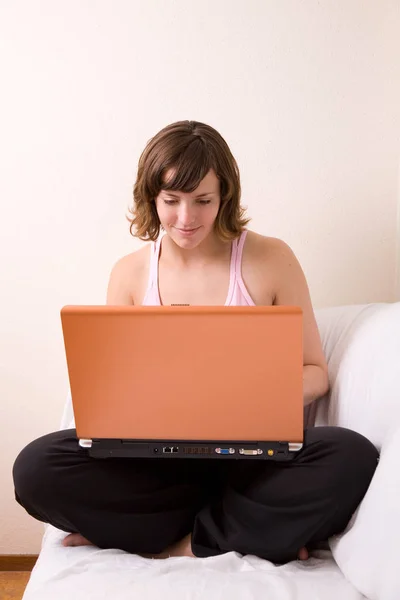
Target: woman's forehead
[[209, 183]]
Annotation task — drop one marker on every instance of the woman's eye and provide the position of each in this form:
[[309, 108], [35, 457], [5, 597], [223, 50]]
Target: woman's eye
[[171, 202]]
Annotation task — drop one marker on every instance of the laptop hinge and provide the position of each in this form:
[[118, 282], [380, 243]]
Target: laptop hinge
[[85, 443], [295, 446]]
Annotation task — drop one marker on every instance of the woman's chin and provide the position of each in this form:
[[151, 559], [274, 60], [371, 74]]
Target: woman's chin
[[188, 239]]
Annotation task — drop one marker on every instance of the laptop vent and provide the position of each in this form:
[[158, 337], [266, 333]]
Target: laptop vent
[[197, 450]]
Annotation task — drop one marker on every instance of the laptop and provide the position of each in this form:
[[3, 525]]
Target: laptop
[[212, 382]]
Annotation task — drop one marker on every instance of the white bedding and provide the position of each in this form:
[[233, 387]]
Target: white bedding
[[88, 572]]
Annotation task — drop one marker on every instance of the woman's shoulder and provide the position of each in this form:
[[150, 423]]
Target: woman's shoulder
[[264, 266], [128, 276], [134, 261], [262, 247]]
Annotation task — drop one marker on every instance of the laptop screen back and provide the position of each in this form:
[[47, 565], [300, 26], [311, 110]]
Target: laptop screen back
[[201, 373]]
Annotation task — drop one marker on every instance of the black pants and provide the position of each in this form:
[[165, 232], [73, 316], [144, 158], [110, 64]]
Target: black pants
[[252, 507]]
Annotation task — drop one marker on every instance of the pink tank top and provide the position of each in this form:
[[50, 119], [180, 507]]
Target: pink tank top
[[237, 292]]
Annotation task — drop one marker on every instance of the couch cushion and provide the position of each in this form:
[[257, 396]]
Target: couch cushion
[[337, 326], [368, 553], [362, 345]]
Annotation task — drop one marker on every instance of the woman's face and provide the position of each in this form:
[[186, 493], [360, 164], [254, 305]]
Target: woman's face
[[188, 218]]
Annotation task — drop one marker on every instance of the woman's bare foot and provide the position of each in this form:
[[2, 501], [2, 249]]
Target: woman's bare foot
[[184, 548], [181, 548], [303, 553], [76, 539]]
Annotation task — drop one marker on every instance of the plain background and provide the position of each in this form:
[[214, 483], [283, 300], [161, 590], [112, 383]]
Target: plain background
[[306, 94]]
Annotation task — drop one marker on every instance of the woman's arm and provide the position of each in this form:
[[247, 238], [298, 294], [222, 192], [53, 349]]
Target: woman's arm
[[292, 289], [119, 286]]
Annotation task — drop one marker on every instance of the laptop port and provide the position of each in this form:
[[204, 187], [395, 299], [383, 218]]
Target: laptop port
[[250, 452], [225, 450], [170, 449]]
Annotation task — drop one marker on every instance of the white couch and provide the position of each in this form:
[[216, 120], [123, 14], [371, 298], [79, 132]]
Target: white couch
[[362, 345]]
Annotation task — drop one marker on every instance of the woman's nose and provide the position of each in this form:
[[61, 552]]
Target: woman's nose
[[186, 214]]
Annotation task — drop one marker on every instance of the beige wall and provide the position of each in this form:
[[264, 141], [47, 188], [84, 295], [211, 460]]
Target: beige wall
[[397, 277], [305, 93]]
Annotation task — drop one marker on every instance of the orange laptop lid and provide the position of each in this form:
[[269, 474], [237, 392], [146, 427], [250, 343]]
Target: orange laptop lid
[[170, 372]]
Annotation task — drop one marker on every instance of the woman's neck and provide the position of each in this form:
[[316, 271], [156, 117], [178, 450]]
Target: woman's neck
[[210, 250]]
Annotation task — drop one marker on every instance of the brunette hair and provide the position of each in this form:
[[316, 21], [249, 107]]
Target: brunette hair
[[190, 149]]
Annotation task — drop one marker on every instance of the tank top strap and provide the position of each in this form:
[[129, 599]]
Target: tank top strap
[[239, 253], [154, 258], [234, 252]]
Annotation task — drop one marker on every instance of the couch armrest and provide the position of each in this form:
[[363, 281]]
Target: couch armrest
[[362, 347]]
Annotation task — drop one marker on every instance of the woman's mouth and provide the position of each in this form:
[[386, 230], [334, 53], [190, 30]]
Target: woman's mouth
[[187, 232]]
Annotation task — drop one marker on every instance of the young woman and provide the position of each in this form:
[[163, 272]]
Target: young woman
[[188, 186]]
